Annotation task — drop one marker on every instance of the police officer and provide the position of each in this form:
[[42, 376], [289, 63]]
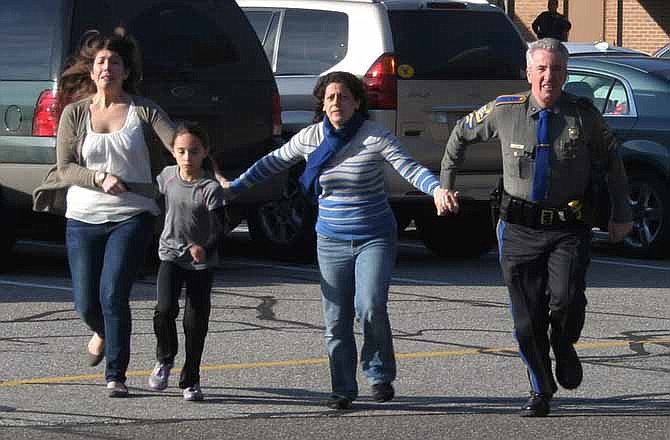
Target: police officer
[[552, 143]]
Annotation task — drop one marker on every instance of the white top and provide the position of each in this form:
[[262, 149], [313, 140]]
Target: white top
[[124, 154]]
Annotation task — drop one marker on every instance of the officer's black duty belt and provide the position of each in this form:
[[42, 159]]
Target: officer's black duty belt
[[534, 215]]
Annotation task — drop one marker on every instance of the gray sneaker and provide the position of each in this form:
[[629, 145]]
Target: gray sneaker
[[193, 393], [158, 380]]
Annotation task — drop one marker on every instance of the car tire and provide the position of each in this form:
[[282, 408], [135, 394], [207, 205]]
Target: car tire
[[467, 234], [650, 201], [284, 228], [7, 231]]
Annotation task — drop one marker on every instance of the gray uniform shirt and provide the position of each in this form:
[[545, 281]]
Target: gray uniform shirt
[[579, 134], [189, 218]]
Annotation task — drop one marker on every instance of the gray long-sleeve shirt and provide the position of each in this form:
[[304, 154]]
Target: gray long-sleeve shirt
[[190, 218]]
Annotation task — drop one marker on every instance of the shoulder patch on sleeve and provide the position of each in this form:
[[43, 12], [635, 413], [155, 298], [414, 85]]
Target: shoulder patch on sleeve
[[511, 99], [482, 112]]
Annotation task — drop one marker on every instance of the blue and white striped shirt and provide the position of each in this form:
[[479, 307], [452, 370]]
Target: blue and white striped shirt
[[353, 204]]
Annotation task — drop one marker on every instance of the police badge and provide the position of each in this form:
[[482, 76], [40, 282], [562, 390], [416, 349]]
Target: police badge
[[573, 133]]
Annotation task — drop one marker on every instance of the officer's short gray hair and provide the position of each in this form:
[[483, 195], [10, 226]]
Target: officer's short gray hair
[[550, 44]]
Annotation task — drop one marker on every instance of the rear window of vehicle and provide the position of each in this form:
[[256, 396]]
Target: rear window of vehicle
[[189, 41], [28, 34], [265, 23], [458, 44], [311, 42]]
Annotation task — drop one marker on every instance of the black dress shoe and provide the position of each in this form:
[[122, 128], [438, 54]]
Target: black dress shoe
[[537, 405], [569, 372], [382, 392], [338, 402]]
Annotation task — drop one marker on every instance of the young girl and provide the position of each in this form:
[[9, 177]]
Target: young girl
[[187, 250]]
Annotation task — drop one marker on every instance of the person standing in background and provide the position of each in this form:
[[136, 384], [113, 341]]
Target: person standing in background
[[551, 24]]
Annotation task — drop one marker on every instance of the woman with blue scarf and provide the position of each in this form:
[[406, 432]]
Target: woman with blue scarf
[[356, 229]]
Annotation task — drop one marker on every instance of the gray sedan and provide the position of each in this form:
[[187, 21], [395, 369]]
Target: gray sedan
[[633, 94]]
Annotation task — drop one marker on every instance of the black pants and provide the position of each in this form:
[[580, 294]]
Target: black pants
[[171, 278], [545, 272]]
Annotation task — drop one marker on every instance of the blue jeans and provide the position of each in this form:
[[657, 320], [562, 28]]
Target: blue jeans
[[355, 278], [104, 260]]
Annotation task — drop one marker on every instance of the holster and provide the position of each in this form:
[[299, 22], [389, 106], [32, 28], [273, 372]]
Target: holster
[[495, 199]]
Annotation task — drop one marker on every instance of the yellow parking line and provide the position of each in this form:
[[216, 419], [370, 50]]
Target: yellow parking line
[[318, 361]]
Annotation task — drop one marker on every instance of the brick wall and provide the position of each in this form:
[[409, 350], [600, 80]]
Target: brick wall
[[646, 23]]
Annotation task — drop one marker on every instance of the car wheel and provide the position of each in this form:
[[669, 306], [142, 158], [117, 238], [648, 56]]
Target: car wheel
[[7, 231], [285, 228], [466, 235], [650, 201]]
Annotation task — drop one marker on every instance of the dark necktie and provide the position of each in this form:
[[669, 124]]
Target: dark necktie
[[542, 153]]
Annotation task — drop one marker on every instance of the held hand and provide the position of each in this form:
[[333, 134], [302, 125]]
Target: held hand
[[618, 231], [218, 175], [113, 185], [446, 201], [228, 193], [198, 253], [225, 184]]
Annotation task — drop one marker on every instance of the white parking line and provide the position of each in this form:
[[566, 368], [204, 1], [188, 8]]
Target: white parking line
[[41, 286], [623, 263], [315, 271]]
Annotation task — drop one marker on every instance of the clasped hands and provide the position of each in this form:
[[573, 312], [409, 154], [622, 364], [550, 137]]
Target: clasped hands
[[446, 201], [113, 185]]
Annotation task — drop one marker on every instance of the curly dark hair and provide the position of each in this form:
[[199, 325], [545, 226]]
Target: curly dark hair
[[75, 82], [351, 81]]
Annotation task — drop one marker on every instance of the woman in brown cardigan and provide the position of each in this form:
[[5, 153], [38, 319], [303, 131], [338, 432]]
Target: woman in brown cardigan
[[107, 162]]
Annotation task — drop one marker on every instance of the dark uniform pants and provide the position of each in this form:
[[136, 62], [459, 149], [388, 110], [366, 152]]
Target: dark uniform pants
[[545, 271]]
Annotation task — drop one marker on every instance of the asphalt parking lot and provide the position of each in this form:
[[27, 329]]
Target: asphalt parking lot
[[265, 371]]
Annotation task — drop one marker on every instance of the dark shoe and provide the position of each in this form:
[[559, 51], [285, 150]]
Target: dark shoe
[[338, 402], [95, 350], [569, 371], [193, 393], [158, 379], [537, 405], [382, 392]]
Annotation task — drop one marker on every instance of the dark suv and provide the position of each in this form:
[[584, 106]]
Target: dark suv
[[426, 64], [201, 60]]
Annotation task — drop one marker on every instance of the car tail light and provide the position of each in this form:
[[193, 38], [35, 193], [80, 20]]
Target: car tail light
[[276, 114], [382, 84], [45, 120]]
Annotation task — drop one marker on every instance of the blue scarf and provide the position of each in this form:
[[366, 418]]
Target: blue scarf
[[333, 140]]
